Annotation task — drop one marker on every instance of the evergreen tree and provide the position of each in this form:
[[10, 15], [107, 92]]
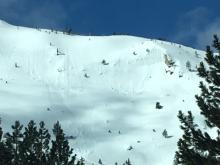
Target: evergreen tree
[[5, 154], [13, 142], [100, 161], [60, 151], [128, 162], [42, 144], [29, 143], [1, 133], [32, 147], [197, 147]]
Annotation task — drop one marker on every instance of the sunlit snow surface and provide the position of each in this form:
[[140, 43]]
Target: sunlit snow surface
[[107, 108]]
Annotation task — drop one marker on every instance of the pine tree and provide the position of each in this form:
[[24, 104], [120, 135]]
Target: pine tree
[[28, 145], [100, 161], [60, 151], [5, 155], [42, 144], [32, 147], [13, 142], [187, 154], [1, 133], [128, 162], [197, 147]]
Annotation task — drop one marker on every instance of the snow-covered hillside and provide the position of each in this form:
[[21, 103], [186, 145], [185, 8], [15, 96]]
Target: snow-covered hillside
[[102, 89]]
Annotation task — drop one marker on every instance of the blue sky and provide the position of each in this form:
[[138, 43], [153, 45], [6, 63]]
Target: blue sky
[[189, 22]]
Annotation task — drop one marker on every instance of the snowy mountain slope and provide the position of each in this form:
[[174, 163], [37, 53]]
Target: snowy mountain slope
[[108, 106]]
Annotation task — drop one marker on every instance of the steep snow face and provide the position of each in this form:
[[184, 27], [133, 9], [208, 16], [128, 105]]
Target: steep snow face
[[102, 89]]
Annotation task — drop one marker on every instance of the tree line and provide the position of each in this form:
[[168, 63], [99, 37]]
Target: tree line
[[36, 146]]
